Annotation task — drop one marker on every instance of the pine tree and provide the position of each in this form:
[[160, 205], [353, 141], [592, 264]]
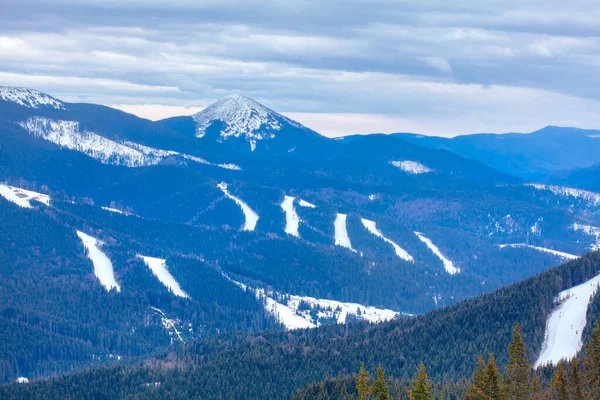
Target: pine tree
[[492, 378], [477, 388], [575, 381], [362, 383], [559, 384], [421, 387], [592, 363], [380, 388], [516, 382], [537, 388]]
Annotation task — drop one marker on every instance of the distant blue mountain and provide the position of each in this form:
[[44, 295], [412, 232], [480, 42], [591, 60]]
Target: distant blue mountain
[[528, 156]]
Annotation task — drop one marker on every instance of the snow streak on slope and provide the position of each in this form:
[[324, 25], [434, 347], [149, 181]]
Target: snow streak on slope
[[341, 233], [103, 268], [566, 256], [29, 98], [304, 203], [249, 214], [411, 167], [68, 134], [590, 231], [283, 313], [590, 197], [566, 323], [400, 252], [168, 324], [242, 116], [22, 197], [292, 220], [158, 266], [448, 265]]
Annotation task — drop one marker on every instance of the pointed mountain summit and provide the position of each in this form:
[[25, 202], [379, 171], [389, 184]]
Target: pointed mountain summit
[[245, 123]]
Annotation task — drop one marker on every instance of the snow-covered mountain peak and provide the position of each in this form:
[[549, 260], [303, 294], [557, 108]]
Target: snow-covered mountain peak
[[242, 117], [29, 98]]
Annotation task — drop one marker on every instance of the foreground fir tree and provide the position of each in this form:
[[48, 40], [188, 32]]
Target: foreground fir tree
[[592, 363], [559, 384], [517, 385], [492, 376], [381, 390], [476, 390], [421, 387], [575, 384], [362, 384]]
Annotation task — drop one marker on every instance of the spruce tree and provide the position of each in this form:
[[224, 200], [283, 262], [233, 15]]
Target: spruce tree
[[476, 390], [381, 390], [537, 388], [492, 380], [575, 386], [421, 387], [516, 382], [362, 383], [559, 384], [592, 363]]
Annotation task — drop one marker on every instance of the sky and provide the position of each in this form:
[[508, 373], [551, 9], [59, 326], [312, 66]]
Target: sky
[[340, 67]]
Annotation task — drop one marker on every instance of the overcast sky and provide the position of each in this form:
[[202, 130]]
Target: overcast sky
[[340, 67]]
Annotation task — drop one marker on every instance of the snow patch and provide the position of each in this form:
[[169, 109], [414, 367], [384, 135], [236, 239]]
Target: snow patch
[[158, 266], [400, 252], [306, 204], [341, 233], [561, 254], [113, 210], [411, 167], [103, 268], [590, 197], [169, 324], [67, 134], [292, 220], [29, 98], [566, 323], [22, 197], [590, 231], [448, 265], [22, 379], [251, 218]]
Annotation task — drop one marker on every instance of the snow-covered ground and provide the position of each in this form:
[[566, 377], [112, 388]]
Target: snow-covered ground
[[158, 266], [561, 254], [400, 252], [114, 210], [103, 268], [242, 117], [68, 134], [304, 203], [292, 220], [566, 323], [411, 167], [29, 98], [341, 233], [448, 265], [251, 217], [22, 379], [283, 313], [590, 231], [22, 197], [169, 325], [590, 197]]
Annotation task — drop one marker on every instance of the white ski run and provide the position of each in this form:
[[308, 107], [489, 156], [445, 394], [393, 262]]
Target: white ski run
[[566, 323], [22, 197], [158, 266], [341, 233], [251, 217], [103, 268], [400, 252], [292, 220], [557, 253], [448, 265]]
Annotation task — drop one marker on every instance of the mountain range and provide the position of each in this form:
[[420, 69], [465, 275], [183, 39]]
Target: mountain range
[[123, 236]]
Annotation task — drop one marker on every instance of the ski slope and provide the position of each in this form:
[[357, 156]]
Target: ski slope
[[158, 266], [103, 268], [251, 217], [561, 254], [341, 233], [400, 252], [448, 265], [292, 220], [22, 197], [566, 323], [411, 167]]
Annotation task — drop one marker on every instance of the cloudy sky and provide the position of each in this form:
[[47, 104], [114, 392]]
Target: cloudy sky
[[429, 66]]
